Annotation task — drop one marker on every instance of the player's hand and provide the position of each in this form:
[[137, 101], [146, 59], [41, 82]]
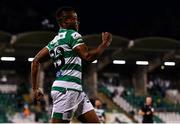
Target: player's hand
[[106, 38], [37, 94], [148, 113]]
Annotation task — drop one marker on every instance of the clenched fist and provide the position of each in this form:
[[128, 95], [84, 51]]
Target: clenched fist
[[37, 94]]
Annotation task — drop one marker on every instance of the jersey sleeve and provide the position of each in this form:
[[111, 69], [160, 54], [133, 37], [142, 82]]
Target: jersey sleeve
[[50, 45], [75, 39]]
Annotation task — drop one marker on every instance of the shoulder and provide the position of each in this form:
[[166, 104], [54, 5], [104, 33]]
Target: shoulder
[[74, 34], [71, 31]]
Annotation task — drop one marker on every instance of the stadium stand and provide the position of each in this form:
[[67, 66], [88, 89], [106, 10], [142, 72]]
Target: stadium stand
[[131, 103]]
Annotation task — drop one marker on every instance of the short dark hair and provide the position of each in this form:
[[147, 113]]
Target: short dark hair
[[60, 12]]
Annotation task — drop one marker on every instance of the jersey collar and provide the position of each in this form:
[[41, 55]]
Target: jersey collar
[[62, 29]]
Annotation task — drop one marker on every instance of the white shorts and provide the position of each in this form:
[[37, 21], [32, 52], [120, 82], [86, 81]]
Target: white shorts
[[65, 105]]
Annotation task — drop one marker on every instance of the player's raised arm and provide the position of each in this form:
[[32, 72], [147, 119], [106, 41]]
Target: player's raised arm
[[42, 56], [91, 55]]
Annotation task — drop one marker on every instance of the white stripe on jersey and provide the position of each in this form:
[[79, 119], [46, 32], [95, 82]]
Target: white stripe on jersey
[[67, 84], [73, 60], [73, 73], [65, 47]]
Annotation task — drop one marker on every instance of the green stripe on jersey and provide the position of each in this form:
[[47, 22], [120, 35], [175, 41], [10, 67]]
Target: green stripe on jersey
[[69, 79], [63, 90], [68, 54], [72, 67], [57, 115]]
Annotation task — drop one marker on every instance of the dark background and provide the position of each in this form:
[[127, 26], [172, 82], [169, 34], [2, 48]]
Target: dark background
[[130, 19]]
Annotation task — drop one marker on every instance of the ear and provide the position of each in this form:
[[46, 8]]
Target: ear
[[62, 24]]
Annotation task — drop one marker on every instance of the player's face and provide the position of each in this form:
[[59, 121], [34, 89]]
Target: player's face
[[148, 100], [71, 21]]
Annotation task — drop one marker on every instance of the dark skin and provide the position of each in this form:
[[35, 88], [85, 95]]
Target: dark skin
[[82, 50]]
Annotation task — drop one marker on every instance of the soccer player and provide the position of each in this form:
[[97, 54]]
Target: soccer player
[[66, 51]]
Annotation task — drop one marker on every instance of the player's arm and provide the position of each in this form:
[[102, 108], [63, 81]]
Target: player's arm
[[150, 112], [42, 56], [141, 112], [91, 55]]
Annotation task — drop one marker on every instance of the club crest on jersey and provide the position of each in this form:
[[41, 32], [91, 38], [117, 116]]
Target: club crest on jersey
[[76, 35], [58, 74]]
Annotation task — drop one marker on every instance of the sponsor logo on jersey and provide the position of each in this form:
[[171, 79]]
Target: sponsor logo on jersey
[[76, 35]]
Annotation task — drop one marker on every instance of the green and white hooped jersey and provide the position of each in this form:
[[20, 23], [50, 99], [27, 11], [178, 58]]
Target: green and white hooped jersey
[[66, 61]]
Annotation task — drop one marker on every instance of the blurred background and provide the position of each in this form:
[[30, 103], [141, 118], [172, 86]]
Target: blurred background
[[143, 59]]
